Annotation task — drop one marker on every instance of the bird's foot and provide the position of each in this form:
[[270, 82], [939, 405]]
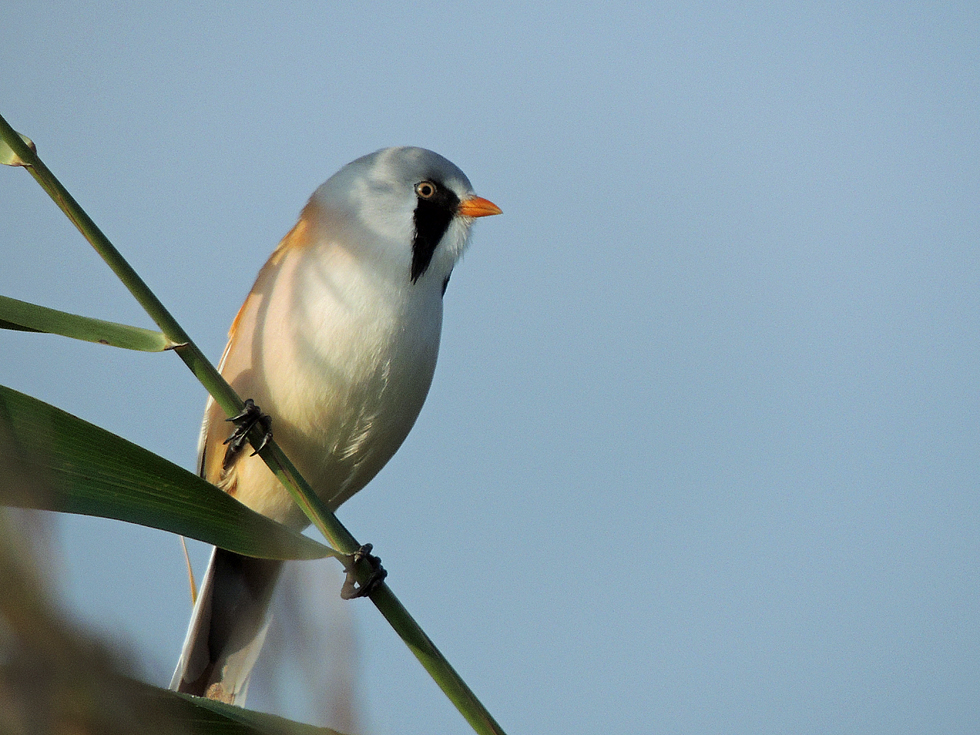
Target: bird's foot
[[350, 590], [250, 416]]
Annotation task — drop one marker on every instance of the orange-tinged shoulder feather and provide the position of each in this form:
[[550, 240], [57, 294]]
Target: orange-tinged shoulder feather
[[297, 238], [212, 462]]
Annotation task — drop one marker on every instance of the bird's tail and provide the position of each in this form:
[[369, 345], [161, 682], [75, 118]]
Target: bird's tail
[[227, 628]]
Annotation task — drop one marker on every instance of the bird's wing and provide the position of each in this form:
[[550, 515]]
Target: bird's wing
[[230, 618]]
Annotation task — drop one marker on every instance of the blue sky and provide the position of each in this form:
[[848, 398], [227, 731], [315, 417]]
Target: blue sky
[[701, 453]]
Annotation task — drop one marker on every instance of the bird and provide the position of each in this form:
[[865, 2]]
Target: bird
[[337, 343]]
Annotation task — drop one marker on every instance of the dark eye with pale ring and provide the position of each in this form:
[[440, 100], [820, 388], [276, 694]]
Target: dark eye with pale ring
[[425, 189]]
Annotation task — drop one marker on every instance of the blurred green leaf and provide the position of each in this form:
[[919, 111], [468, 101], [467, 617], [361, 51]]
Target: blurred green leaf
[[226, 718], [52, 460], [56, 678], [27, 317]]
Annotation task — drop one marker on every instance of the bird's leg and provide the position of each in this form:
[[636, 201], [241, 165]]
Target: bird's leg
[[350, 590], [250, 416]]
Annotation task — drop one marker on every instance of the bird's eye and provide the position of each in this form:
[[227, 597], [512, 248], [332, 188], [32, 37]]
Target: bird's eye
[[425, 189]]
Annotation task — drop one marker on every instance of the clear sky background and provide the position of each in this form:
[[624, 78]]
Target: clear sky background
[[703, 447]]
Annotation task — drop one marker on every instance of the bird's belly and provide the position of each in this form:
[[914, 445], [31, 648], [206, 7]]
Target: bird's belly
[[341, 410]]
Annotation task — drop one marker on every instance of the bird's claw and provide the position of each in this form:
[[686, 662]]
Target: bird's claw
[[250, 416], [350, 590]]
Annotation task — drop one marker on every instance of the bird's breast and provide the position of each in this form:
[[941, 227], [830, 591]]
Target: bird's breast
[[346, 359]]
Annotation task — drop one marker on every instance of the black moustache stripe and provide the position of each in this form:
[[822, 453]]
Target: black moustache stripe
[[432, 218]]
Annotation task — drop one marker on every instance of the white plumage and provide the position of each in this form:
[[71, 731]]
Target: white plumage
[[337, 342]]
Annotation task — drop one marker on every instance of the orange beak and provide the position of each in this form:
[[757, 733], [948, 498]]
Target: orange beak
[[477, 207]]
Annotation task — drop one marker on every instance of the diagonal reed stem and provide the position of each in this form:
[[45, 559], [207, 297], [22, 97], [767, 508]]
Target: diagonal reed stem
[[336, 534]]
